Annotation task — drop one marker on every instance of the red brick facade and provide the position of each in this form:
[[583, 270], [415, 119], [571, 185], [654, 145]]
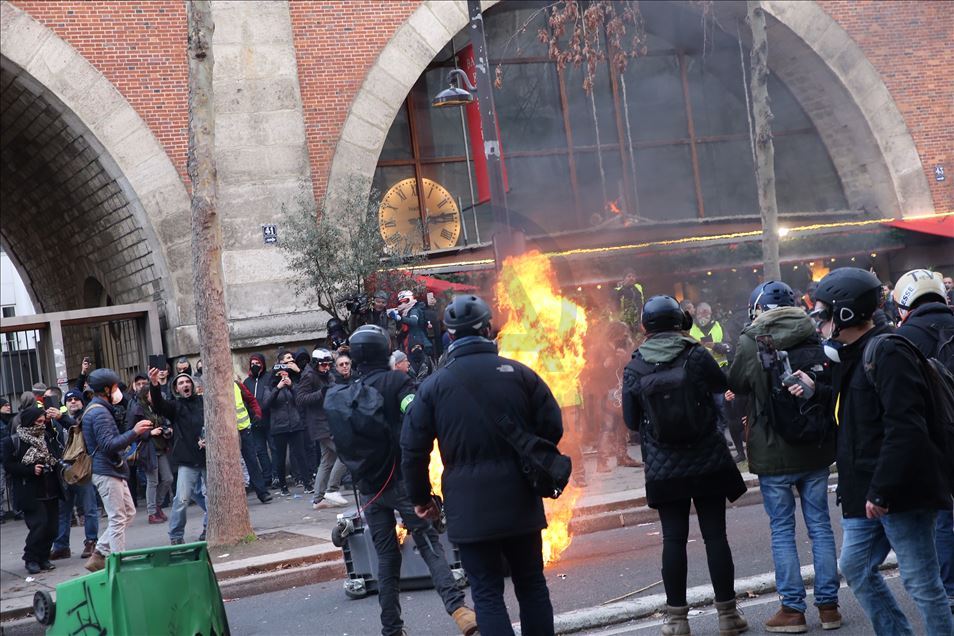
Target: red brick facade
[[141, 48]]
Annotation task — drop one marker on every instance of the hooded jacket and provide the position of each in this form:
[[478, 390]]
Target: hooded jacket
[[310, 399], [187, 418], [258, 386], [676, 472], [280, 407], [923, 325], [769, 454]]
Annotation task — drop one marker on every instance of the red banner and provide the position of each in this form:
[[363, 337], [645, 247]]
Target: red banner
[[465, 60]]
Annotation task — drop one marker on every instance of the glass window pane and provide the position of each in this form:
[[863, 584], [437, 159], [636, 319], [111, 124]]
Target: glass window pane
[[439, 132], [664, 183], [512, 28], [540, 196], [728, 178], [582, 122], [787, 111], [591, 185], [397, 145], [654, 93], [716, 91], [805, 178], [528, 107]]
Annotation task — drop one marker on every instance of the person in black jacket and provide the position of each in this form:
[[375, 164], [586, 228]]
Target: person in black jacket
[[700, 471], [492, 512], [257, 383], [382, 492], [287, 424], [890, 478], [310, 397], [928, 321]]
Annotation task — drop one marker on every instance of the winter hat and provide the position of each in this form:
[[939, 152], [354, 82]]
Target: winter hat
[[397, 357], [30, 415], [73, 393], [175, 380], [4, 401]]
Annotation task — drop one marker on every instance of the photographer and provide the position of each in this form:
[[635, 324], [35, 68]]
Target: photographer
[[153, 454], [288, 427], [30, 457], [374, 314]]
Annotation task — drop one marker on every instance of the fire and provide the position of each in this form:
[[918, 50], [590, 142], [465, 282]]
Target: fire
[[613, 207], [545, 331], [819, 272], [401, 532], [435, 469]]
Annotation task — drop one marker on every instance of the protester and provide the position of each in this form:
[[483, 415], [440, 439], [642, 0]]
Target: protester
[[399, 362], [153, 454], [411, 323], [493, 515], [287, 425], [310, 397], [891, 483], [420, 364], [949, 290], [784, 466], [629, 299], [686, 458], [257, 383], [246, 411], [343, 369]]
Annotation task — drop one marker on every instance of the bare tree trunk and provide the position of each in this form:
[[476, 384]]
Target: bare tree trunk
[[764, 147], [228, 509]]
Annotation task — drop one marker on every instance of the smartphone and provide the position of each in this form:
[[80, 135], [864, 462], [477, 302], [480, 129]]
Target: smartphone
[[157, 362], [51, 402]]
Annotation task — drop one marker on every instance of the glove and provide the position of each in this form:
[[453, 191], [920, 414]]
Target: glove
[[394, 315]]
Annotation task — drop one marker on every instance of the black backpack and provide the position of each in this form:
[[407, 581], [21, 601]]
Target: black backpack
[[941, 387], [944, 351], [361, 433], [680, 413], [797, 421]]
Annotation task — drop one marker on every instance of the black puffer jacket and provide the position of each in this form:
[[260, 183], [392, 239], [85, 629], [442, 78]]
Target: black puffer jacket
[[258, 386], [283, 413], [485, 495], [187, 419], [310, 398], [885, 453], [674, 473], [923, 324]]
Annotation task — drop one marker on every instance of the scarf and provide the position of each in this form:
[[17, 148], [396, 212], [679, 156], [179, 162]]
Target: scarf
[[403, 308], [38, 452]]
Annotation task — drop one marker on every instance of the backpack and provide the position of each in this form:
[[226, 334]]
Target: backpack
[[680, 413], [944, 351], [360, 431], [794, 419], [79, 469], [941, 388]]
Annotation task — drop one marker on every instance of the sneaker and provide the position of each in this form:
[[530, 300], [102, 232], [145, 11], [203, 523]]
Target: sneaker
[[176, 541], [96, 561], [33, 567], [284, 491], [47, 566], [787, 621], [60, 553], [336, 498], [154, 519], [88, 547], [830, 616], [309, 490]]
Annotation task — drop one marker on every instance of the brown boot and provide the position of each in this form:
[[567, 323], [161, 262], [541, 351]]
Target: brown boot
[[830, 616], [60, 553], [466, 620], [96, 561], [731, 621], [88, 547], [677, 621], [787, 621]]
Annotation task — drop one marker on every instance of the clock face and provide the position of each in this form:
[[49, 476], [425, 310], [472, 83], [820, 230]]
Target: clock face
[[399, 217]]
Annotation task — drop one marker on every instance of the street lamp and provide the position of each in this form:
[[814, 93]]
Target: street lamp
[[454, 95]]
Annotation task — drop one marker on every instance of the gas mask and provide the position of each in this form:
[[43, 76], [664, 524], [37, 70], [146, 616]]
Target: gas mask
[[833, 349]]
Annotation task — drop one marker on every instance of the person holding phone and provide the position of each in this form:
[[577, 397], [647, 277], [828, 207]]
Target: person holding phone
[[287, 424]]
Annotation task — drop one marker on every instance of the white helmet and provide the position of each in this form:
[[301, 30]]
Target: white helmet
[[915, 284], [404, 295], [322, 355]]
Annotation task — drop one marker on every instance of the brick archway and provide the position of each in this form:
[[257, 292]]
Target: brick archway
[[88, 169], [847, 100]]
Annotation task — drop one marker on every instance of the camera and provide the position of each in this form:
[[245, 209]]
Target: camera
[[356, 303]]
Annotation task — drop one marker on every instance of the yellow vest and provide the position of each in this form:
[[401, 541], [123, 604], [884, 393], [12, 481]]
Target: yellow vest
[[715, 332], [244, 421]]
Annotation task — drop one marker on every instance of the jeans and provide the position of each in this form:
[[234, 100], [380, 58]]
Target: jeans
[[84, 496], [674, 518], [330, 471], [158, 483], [381, 522], [944, 541], [41, 519], [293, 443], [186, 483], [778, 497], [120, 512], [247, 446], [484, 564], [866, 543]]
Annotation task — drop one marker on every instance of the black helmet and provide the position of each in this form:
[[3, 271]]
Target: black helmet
[[101, 379], [662, 313], [370, 343], [334, 324], [466, 313], [770, 295], [850, 295]]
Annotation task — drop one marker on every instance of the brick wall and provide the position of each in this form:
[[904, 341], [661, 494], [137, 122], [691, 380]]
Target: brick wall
[[141, 48], [910, 44]]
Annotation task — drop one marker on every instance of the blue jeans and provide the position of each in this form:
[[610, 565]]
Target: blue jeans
[[778, 498], [83, 496], [944, 541], [188, 486], [866, 543]]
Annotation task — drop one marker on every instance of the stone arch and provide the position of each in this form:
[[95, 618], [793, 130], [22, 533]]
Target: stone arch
[[79, 161], [810, 52]]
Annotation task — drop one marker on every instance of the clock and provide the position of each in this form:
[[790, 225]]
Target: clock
[[399, 217]]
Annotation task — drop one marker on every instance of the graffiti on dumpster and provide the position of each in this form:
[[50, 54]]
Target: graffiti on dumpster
[[82, 619]]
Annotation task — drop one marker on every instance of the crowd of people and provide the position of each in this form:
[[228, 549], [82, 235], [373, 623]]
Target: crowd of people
[[792, 397]]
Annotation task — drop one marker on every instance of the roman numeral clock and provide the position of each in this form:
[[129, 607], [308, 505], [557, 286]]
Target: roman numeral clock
[[399, 216]]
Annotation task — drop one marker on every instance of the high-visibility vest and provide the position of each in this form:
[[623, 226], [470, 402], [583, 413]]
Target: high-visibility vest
[[241, 413], [715, 332]]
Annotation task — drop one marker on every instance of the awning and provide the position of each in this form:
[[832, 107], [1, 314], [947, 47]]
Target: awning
[[438, 286], [937, 225]]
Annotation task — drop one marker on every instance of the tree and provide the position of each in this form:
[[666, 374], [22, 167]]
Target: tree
[[764, 147], [340, 254], [228, 509]]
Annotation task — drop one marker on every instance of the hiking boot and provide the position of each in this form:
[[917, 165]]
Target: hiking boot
[[33, 567], [677, 621], [830, 616], [787, 621], [731, 621], [88, 547], [60, 553], [466, 620], [628, 462], [96, 561], [46, 566], [154, 519]]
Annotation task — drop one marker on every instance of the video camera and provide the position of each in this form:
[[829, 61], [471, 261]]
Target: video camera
[[356, 303]]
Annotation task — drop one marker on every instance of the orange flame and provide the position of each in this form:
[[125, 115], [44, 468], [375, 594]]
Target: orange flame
[[435, 469], [545, 331], [819, 272], [613, 207], [401, 532]]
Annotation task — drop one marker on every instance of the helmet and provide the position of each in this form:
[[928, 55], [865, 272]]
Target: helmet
[[916, 284], [466, 313], [322, 355], [770, 295], [405, 295], [662, 313], [370, 343], [850, 295], [334, 324], [101, 379]]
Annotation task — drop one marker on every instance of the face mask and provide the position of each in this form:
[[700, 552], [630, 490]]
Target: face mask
[[833, 349], [117, 395]]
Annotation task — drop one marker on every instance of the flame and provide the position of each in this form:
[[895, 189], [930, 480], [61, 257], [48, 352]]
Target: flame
[[435, 469], [401, 532], [545, 331], [819, 272], [613, 206]]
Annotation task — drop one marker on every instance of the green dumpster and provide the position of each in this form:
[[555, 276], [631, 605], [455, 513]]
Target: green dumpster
[[164, 590]]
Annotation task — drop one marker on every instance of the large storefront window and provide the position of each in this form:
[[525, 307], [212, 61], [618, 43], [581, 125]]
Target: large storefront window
[[667, 140]]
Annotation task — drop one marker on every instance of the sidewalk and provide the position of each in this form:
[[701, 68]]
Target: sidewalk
[[294, 546]]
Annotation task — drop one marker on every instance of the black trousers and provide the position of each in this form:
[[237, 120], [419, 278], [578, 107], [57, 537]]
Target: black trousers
[[674, 516], [262, 448], [247, 446], [295, 444], [42, 520]]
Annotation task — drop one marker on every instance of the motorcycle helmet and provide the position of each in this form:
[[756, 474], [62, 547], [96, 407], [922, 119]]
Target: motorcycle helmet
[[370, 344], [466, 313], [662, 313], [917, 284]]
